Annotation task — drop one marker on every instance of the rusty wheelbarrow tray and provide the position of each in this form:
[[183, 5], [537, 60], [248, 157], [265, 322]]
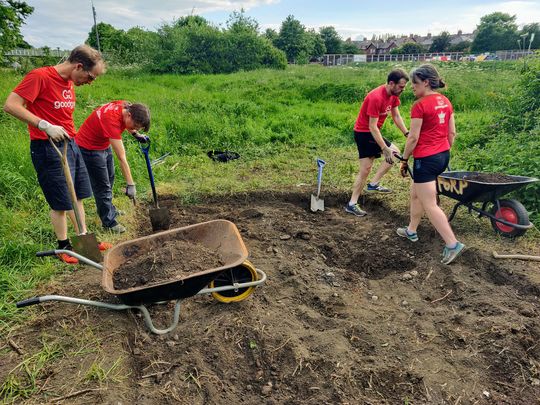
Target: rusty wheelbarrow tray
[[233, 281], [508, 216]]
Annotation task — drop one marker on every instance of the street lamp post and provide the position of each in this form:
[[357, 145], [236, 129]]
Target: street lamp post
[[95, 27]]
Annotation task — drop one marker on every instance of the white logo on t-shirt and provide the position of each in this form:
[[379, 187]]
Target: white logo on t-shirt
[[441, 116]]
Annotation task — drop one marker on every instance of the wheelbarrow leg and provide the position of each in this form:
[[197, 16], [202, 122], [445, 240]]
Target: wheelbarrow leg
[[454, 210], [150, 325]]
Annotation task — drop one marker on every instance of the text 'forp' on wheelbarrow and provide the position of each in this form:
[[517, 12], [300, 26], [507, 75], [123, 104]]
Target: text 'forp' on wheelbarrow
[[234, 281]]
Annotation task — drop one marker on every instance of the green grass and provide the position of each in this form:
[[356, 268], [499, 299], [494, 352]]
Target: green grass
[[279, 121]]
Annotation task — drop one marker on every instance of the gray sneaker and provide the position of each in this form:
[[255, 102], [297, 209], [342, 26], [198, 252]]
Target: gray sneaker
[[404, 233], [118, 228], [449, 255], [378, 188], [355, 210]]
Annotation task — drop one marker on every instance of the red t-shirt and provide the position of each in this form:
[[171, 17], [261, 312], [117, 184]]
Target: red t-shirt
[[435, 111], [49, 97], [376, 104], [105, 123]]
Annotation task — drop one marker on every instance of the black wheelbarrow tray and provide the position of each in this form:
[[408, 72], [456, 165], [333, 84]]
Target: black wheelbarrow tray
[[232, 282], [508, 216]]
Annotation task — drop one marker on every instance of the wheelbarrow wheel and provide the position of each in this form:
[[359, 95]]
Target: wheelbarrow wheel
[[511, 211], [244, 273]]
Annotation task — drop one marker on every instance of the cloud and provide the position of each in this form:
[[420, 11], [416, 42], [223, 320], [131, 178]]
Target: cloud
[[56, 25]]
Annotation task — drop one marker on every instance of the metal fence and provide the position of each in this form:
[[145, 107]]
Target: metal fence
[[346, 59], [37, 52]]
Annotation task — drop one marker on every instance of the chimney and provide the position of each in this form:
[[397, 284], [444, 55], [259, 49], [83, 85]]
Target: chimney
[[459, 32]]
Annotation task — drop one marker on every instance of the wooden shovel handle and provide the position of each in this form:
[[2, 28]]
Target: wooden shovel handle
[[69, 182]]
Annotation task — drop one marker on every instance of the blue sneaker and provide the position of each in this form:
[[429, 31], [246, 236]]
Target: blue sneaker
[[378, 188], [451, 254], [404, 233], [355, 210]]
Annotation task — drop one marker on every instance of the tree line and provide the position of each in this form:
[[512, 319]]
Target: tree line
[[192, 44]]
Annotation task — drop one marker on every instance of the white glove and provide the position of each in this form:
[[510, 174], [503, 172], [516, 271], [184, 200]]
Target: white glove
[[388, 155], [55, 132]]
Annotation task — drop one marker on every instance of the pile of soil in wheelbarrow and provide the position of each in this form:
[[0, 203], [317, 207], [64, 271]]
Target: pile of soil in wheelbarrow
[[173, 261], [498, 178]]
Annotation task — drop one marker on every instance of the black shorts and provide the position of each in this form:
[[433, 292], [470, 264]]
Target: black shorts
[[427, 169], [367, 146], [51, 175]]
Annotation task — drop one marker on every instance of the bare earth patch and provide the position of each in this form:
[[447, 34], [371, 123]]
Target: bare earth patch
[[351, 314]]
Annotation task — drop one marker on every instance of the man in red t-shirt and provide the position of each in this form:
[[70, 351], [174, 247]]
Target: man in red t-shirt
[[375, 108], [101, 130], [45, 100]]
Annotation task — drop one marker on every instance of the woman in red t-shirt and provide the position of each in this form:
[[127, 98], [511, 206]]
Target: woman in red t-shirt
[[432, 133]]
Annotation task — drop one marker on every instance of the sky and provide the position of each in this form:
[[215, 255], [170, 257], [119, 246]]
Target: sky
[[65, 24]]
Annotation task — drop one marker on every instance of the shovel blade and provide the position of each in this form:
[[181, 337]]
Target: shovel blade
[[87, 246], [160, 219], [317, 204]]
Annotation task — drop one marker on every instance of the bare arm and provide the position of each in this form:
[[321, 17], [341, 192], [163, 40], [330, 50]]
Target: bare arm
[[451, 130], [16, 106], [396, 116], [412, 139], [120, 152], [376, 132]]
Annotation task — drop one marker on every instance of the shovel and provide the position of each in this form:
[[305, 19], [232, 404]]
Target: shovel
[[159, 217], [84, 244], [317, 204]]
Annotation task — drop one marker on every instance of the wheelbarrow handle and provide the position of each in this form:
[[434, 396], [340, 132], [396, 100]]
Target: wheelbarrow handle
[[45, 253], [28, 302]]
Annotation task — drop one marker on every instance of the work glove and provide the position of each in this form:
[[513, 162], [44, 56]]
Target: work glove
[[404, 168], [131, 191], [140, 137], [388, 155], [55, 132]]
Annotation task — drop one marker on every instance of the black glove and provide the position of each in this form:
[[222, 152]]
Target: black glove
[[140, 138], [404, 168], [131, 191]]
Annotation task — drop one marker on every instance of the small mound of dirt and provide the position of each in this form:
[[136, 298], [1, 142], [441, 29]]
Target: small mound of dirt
[[490, 178], [173, 261]]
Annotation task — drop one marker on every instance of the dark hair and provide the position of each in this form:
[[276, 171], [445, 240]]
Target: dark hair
[[86, 56], [140, 114], [429, 73], [396, 75]]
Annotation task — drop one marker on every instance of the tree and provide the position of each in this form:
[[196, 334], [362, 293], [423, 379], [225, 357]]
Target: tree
[[349, 48], [441, 42], [239, 22], [530, 29], [271, 35], [496, 31], [292, 39], [317, 48], [12, 16], [408, 48], [110, 38], [191, 20], [331, 39], [463, 46]]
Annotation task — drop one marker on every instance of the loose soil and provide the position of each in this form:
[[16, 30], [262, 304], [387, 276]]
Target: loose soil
[[172, 261], [350, 314], [498, 178]]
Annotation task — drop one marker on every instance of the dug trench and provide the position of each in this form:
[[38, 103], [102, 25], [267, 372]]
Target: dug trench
[[350, 314]]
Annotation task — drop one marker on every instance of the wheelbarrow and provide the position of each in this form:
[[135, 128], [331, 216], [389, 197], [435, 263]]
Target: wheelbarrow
[[234, 281], [508, 216]]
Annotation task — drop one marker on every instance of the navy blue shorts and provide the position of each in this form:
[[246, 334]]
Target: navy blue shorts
[[367, 146], [427, 169], [51, 175]]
